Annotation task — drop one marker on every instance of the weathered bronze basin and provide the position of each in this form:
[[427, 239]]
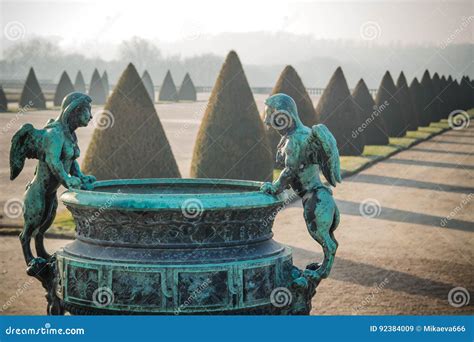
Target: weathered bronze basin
[[175, 246]]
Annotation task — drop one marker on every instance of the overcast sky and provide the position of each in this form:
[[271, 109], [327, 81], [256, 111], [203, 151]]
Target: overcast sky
[[98, 25]]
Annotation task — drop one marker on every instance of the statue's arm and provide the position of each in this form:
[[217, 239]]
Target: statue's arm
[[287, 174], [76, 171], [53, 144]]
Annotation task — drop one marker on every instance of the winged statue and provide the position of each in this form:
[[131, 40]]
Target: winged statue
[[56, 149], [302, 153]]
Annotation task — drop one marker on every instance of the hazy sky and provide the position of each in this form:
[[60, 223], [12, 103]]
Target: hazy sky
[[99, 25]]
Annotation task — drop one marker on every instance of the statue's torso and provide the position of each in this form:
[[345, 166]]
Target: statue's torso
[[307, 173]]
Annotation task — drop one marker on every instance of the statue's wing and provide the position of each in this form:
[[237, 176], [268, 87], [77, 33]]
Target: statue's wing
[[327, 154], [25, 144]]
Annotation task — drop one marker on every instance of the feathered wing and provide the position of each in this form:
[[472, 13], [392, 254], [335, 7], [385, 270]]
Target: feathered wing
[[25, 144], [326, 153]]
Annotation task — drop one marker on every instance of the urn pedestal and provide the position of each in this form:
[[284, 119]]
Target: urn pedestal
[[176, 246]]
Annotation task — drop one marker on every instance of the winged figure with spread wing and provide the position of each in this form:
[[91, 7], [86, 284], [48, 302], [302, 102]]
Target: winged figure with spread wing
[[303, 152], [56, 149]]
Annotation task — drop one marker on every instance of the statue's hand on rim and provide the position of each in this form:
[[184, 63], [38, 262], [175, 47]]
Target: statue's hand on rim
[[73, 182], [269, 188]]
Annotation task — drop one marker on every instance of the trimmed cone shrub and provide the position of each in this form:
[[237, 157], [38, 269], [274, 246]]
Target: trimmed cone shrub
[[105, 82], [96, 89], [451, 96], [129, 140], [416, 95], [429, 103], [290, 83], [79, 84], [168, 90], [444, 98], [63, 88], [148, 83], [437, 87], [406, 103], [32, 95], [3, 101], [338, 112], [386, 97], [372, 127], [231, 142], [465, 93], [187, 92]]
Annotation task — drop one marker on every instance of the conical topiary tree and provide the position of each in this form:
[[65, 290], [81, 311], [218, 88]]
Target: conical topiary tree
[[429, 103], [105, 82], [338, 112], [148, 83], [187, 91], [416, 95], [290, 83], [63, 88], [129, 140], [406, 103], [79, 84], [437, 100], [451, 96], [465, 93], [372, 127], [32, 95], [168, 90], [3, 101], [231, 142], [96, 89], [444, 98], [386, 96]]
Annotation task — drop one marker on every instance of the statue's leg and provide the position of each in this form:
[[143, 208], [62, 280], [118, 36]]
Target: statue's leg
[[322, 217], [32, 215], [50, 214]]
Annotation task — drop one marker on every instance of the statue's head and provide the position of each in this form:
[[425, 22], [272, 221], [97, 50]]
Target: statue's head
[[281, 114], [76, 110]]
